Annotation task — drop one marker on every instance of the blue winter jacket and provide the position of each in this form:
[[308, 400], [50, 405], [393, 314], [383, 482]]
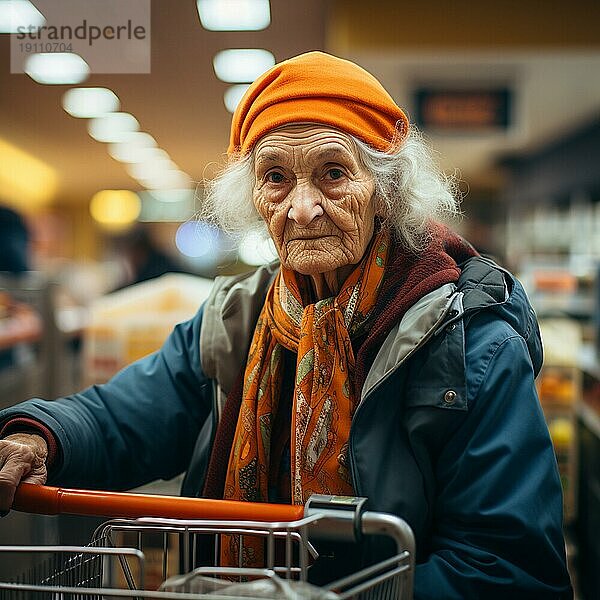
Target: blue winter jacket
[[449, 433]]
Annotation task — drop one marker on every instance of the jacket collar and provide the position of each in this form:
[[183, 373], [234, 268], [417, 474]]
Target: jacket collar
[[234, 304]]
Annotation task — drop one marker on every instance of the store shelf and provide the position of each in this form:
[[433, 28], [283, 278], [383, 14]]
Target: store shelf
[[589, 417], [588, 522], [588, 360]]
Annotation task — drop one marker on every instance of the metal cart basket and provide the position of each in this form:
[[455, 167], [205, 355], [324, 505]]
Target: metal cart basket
[[157, 556]]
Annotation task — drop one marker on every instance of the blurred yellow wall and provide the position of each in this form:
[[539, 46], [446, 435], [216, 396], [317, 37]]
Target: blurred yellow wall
[[360, 25]]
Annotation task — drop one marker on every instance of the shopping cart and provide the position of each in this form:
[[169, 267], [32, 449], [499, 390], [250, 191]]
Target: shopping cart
[[152, 545]]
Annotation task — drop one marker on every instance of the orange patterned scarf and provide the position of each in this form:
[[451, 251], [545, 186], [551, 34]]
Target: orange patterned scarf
[[324, 400]]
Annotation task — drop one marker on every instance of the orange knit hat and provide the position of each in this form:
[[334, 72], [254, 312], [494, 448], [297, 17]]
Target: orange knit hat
[[318, 88]]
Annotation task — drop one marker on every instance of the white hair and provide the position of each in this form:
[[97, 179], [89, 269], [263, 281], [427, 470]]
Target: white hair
[[410, 190]]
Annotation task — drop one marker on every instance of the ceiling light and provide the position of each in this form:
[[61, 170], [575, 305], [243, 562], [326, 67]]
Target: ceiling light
[[234, 15], [157, 165], [134, 147], [86, 103], [115, 210], [173, 195], [57, 68], [180, 207], [172, 179], [242, 65], [233, 95], [19, 13], [160, 176], [176, 180], [112, 127], [151, 155]]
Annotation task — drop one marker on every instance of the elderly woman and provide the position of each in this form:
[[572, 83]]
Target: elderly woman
[[380, 357]]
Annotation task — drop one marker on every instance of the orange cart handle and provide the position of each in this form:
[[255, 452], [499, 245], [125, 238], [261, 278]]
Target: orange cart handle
[[48, 500]]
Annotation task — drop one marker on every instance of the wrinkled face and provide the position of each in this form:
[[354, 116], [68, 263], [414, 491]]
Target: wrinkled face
[[315, 197]]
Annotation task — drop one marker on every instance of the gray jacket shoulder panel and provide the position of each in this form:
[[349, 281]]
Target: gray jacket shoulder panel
[[410, 333], [230, 314]]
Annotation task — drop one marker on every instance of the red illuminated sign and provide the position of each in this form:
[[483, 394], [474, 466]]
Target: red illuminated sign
[[463, 110]]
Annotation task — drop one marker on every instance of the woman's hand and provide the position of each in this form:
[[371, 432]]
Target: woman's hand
[[22, 458]]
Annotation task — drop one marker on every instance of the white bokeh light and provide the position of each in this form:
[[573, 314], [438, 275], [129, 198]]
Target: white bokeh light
[[87, 103], [57, 68], [16, 14], [234, 15], [136, 146], [195, 239], [255, 249], [242, 65], [233, 95], [113, 127]]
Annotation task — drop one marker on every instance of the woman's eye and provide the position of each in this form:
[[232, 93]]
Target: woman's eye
[[275, 177], [335, 173]]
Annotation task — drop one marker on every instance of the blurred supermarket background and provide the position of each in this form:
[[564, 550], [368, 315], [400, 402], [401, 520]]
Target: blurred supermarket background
[[101, 175]]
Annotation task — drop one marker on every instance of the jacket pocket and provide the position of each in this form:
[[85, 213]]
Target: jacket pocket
[[437, 376]]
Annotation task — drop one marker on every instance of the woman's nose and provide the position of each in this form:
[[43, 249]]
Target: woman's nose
[[306, 204]]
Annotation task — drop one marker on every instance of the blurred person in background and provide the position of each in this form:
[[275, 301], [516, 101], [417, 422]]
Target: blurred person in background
[[143, 258], [14, 262], [382, 357], [14, 242]]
